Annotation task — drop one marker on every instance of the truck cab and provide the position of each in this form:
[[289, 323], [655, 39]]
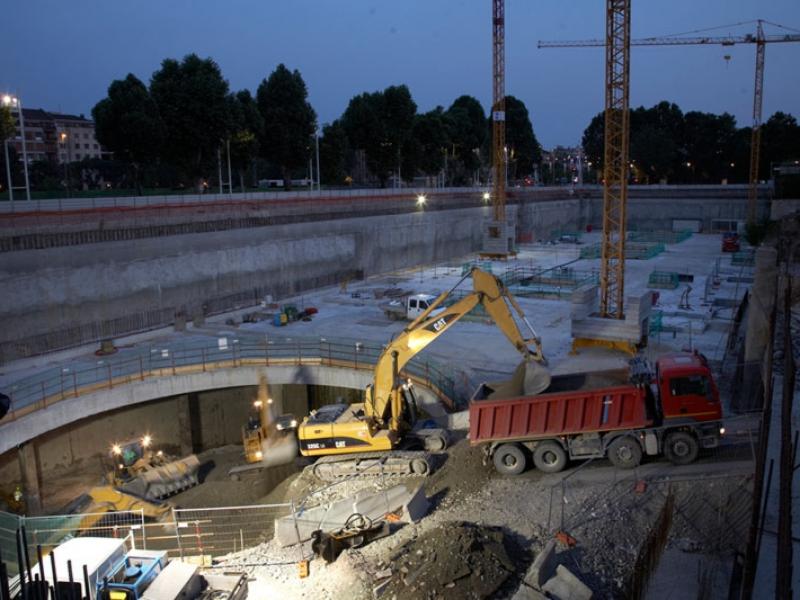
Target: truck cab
[[686, 389], [410, 308]]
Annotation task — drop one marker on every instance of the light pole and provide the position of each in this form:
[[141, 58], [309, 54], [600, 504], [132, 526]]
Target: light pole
[[15, 102], [65, 142], [316, 142], [8, 176]]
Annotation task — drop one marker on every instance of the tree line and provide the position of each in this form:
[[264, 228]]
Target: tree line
[[668, 145], [176, 126], [176, 130]]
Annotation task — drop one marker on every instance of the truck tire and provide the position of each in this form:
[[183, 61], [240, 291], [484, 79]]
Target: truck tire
[[509, 459], [625, 452], [549, 457], [681, 448]]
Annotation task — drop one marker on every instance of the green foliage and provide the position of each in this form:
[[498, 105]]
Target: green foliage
[[127, 122], [755, 233], [695, 147], [334, 150], [380, 124], [7, 123], [780, 141], [192, 100], [466, 125], [523, 147], [289, 120], [245, 124], [429, 142]]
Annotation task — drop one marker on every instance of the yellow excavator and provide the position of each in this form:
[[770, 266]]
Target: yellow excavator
[[266, 440], [358, 438]]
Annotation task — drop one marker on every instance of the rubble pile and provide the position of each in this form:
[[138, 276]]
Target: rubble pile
[[455, 560]]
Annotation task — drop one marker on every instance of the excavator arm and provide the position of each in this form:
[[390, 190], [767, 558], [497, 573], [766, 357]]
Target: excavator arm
[[383, 399]]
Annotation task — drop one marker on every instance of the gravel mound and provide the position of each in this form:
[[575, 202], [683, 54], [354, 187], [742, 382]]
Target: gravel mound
[[454, 560]]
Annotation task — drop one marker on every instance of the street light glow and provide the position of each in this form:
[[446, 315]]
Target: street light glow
[[421, 199], [486, 196]]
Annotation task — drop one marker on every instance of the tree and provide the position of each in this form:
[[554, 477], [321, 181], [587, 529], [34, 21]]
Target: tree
[[380, 124], [245, 126], [466, 124], [523, 148], [780, 141], [289, 121], [428, 143], [8, 125], [7, 129], [192, 99], [333, 154], [127, 122]]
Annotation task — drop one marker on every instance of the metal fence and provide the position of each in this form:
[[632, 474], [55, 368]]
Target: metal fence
[[202, 354], [216, 532]]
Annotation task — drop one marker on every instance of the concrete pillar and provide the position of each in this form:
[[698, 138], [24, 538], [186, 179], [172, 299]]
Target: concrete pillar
[[189, 430], [28, 457], [756, 343]]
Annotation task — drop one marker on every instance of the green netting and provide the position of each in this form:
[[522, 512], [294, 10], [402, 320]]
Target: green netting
[[9, 523], [483, 265], [666, 280], [566, 235], [656, 321], [633, 250], [745, 258], [663, 237]]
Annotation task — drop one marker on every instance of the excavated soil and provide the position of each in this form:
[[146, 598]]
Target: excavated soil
[[455, 560]]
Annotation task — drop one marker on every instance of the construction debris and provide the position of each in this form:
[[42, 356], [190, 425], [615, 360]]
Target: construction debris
[[300, 526], [455, 560]]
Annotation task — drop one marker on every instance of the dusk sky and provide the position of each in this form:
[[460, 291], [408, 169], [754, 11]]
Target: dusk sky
[[61, 56]]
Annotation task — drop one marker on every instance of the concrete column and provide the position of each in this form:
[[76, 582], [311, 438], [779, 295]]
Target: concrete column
[[29, 469], [189, 433], [756, 344]]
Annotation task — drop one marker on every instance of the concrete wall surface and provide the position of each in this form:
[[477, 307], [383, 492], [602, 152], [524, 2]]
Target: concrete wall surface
[[64, 296], [69, 411]]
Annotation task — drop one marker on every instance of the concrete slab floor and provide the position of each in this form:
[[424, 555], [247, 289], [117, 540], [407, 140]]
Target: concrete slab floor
[[478, 348]]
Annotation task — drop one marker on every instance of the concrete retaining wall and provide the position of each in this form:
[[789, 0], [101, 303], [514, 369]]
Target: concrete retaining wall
[[71, 295]]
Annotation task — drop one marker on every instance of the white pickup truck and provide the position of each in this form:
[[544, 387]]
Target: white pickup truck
[[409, 307]]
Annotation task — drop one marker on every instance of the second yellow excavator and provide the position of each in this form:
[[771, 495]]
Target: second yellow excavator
[[369, 437]]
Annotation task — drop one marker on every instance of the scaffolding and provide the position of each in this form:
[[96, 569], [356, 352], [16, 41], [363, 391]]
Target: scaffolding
[[664, 280]]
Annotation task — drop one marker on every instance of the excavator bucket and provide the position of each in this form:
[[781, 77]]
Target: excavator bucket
[[530, 378], [162, 481]]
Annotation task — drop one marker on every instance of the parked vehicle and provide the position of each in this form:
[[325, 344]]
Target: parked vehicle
[[410, 307], [623, 415]]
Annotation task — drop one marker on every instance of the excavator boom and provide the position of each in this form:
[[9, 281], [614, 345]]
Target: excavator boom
[[488, 291]]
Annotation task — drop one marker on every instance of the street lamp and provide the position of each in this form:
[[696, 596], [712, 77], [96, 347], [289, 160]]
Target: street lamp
[[15, 102], [67, 159]]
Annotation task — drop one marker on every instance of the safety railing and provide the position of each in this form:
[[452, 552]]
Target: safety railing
[[79, 378]]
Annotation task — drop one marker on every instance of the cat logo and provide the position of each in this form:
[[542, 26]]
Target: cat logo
[[439, 325]]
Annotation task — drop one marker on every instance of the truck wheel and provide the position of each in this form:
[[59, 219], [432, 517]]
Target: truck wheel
[[509, 459], [550, 457], [625, 452], [681, 448]]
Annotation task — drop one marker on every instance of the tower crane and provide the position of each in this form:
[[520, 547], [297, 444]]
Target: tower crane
[[495, 242], [758, 39]]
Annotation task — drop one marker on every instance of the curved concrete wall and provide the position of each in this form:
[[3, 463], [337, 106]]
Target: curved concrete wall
[[69, 411]]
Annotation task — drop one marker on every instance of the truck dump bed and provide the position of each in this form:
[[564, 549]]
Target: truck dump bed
[[580, 403]]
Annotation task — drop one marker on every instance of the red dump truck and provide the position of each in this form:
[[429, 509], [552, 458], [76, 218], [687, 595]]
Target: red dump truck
[[622, 414]]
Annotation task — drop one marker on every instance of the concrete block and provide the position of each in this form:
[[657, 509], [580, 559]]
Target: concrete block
[[566, 586], [543, 566], [416, 507], [293, 529], [526, 592]]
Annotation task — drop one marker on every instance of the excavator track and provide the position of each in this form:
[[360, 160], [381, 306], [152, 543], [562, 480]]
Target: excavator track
[[397, 462]]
